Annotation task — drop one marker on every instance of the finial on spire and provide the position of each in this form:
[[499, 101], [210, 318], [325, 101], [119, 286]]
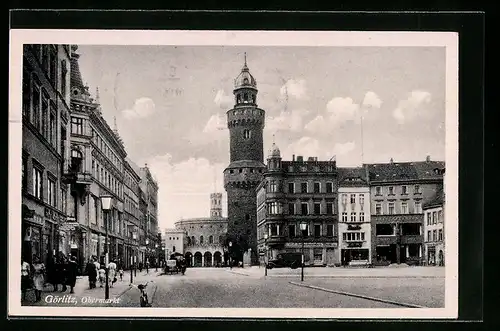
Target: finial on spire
[[97, 94], [245, 59], [115, 125], [274, 136]]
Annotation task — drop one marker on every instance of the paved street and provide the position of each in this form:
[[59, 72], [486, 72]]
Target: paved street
[[282, 288]]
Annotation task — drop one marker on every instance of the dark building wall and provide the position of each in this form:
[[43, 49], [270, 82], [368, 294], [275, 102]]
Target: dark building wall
[[246, 147]]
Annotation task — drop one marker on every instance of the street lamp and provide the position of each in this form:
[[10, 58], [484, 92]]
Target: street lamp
[[106, 206], [230, 257], [157, 256], [147, 256], [303, 228], [265, 256]]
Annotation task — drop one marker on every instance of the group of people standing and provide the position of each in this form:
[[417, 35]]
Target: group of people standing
[[60, 270], [97, 272]]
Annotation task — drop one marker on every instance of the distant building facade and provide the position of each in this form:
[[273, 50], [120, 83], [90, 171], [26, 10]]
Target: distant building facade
[[434, 220], [245, 123], [132, 215], [398, 192], [175, 240], [149, 187], [45, 150], [204, 238], [354, 216], [292, 192]]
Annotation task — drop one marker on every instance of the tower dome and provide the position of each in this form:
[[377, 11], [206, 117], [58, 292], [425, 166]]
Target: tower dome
[[245, 78], [274, 151]]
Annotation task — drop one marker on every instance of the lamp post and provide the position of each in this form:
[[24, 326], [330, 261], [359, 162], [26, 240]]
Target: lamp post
[[132, 266], [303, 228], [147, 256], [106, 206], [157, 256], [230, 257], [265, 256]]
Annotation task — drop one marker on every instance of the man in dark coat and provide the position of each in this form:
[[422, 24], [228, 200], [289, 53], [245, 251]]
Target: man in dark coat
[[92, 273], [71, 273]]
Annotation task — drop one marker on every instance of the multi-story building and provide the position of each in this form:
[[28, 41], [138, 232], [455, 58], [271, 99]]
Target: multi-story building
[[434, 226], [354, 216], [149, 187], [132, 215], [398, 191], [174, 241], [246, 123], [204, 238], [295, 192], [45, 141], [96, 169]]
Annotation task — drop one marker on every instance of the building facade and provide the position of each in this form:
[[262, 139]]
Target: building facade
[[246, 123], [398, 192], [45, 148], [293, 192], [354, 217], [204, 239], [149, 187], [132, 216], [434, 227], [96, 169], [174, 241]]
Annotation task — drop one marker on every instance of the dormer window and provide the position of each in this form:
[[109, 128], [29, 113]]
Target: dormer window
[[245, 80]]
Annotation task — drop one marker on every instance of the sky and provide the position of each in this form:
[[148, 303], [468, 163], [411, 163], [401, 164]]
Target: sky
[[359, 104]]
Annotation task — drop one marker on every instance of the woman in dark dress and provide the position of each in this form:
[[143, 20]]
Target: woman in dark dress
[[71, 273]]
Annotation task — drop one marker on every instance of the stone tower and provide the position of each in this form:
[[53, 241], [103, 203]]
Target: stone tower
[[216, 205], [246, 124]]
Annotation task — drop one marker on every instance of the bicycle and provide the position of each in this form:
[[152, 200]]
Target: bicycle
[[144, 302]]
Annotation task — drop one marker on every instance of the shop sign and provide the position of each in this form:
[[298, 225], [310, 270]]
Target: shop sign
[[309, 245], [68, 226], [355, 244]]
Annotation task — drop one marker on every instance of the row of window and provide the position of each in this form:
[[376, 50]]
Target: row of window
[[46, 55], [294, 230], [404, 190], [246, 170], [404, 229], [38, 188], [192, 240], [353, 236], [131, 206], [404, 208], [276, 208], [276, 186], [107, 178], [352, 199], [103, 146], [434, 217], [39, 109], [435, 235], [354, 217]]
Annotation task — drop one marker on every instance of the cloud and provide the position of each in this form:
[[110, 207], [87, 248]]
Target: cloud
[[342, 110], [319, 125], [305, 146], [215, 123], [143, 107], [185, 187], [412, 107], [214, 130], [344, 148], [371, 100], [295, 88], [222, 100], [287, 121]]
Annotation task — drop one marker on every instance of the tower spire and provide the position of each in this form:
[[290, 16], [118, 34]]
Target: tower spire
[[97, 94], [245, 59], [115, 128]]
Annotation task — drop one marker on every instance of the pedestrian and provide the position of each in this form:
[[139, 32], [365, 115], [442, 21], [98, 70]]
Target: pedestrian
[[71, 272], [63, 272], [102, 276], [147, 267], [38, 277], [25, 278], [52, 277], [92, 273], [140, 266], [121, 273], [112, 272]]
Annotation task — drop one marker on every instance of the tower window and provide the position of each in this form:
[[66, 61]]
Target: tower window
[[245, 97], [246, 134]]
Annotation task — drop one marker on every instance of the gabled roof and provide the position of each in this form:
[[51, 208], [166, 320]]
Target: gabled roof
[[437, 199], [394, 171]]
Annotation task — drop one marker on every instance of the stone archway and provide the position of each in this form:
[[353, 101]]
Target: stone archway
[[217, 259], [207, 259], [197, 259], [189, 259]]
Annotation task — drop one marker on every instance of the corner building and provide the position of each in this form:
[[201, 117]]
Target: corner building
[[246, 124], [293, 192]]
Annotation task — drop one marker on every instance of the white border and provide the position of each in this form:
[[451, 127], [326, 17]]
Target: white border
[[247, 38]]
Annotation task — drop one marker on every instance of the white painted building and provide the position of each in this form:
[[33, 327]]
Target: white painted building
[[174, 241], [354, 217]]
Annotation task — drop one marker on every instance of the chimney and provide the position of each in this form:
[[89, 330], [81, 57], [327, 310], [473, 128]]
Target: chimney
[[310, 158], [392, 161], [300, 158], [428, 158], [293, 157]]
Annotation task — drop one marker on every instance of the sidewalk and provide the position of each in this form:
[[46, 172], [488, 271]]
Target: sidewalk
[[84, 296], [340, 272]]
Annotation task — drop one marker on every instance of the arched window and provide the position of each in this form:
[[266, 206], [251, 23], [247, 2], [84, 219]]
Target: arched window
[[188, 241], [245, 97], [193, 241], [173, 249], [221, 240], [211, 239], [201, 240], [246, 134], [76, 160]]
